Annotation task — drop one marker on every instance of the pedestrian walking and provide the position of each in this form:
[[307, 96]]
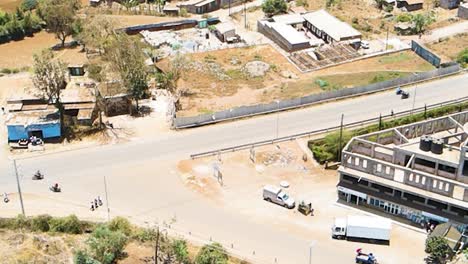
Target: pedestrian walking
[[92, 206], [99, 200], [5, 198], [96, 203]]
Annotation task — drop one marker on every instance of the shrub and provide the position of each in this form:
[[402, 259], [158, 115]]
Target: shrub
[[28, 5], [69, 224], [20, 222], [120, 224], [82, 257], [214, 253], [303, 3], [355, 20], [462, 58], [179, 247], [274, 7], [404, 17], [183, 12], [438, 249], [40, 223], [144, 234], [105, 245], [388, 8]]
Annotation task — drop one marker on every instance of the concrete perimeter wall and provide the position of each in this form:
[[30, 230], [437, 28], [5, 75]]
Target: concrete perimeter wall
[[245, 111]]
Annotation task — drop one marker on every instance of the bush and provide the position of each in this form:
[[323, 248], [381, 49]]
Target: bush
[[303, 3], [28, 5], [40, 223], [82, 257], [144, 234], [462, 58], [438, 249], [105, 245], [404, 17], [179, 247], [183, 12], [274, 7], [388, 8], [20, 222], [214, 253], [69, 224], [120, 224]]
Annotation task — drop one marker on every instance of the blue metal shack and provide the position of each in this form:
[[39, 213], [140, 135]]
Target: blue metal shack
[[44, 124]]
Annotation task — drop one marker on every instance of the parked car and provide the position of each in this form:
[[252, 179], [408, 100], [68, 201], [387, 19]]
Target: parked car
[[364, 44], [278, 196]]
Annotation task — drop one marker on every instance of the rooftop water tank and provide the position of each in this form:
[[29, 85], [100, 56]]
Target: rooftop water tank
[[425, 143], [437, 146]]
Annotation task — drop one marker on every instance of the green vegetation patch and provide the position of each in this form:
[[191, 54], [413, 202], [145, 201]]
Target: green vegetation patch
[[327, 148]]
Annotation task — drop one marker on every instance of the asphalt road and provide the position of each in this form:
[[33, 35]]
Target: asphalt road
[[143, 186]]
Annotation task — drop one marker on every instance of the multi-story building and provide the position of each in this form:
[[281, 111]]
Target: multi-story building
[[418, 172]]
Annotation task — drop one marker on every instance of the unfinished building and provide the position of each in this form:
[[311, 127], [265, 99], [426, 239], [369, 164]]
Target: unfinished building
[[416, 172]]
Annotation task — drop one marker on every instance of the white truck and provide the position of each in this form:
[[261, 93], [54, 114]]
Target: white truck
[[276, 195], [362, 227]]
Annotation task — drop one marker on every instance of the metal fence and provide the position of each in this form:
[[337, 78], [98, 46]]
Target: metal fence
[[245, 111], [329, 129], [426, 54]]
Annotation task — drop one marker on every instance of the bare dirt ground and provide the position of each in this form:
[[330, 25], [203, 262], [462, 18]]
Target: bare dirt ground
[[448, 48], [209, 93], [9, 5], [241, 191]]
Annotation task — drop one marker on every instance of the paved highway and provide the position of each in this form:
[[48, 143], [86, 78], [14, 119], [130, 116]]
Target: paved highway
[[143, 185]]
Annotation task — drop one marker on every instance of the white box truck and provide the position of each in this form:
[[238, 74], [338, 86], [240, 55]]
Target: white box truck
[[362, 227]]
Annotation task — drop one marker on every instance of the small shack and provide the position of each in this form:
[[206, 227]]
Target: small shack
[[171, 10], [225, 32], [43, 124], [200, 6], [76, 69], [449, 4], [410, 5], [79, 101], [463, 11]]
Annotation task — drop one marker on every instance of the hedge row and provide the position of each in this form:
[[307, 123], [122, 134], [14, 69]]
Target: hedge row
[[326, 149]]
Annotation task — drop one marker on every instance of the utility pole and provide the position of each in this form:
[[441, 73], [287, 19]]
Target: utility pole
[[386, 41], [229, 7], [277, 118], [107, 199], [245, 13], [425, 111], [19, 188], [341, 138], [414, 98], [156, 247], [380, 121]]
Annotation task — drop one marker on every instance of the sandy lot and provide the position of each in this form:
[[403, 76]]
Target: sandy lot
[[208, 92], [449, 48], [241, 192]]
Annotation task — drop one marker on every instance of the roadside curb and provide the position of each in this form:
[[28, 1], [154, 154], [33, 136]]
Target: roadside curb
[[371, 214]]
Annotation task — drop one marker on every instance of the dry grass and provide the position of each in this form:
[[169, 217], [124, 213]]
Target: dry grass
[[209, 94], [9, 5], [448, 48]]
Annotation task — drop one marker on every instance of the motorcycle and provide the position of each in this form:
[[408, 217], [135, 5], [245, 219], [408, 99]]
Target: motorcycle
[[55, 188], [38, 176]]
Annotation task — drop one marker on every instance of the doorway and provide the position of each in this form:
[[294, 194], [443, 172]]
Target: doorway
[[36, 133]]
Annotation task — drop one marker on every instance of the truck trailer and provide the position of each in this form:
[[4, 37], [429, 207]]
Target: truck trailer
[[362, 227]]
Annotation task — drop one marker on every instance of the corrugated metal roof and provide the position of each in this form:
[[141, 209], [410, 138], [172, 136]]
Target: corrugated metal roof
[[289, 33], [331, 25]]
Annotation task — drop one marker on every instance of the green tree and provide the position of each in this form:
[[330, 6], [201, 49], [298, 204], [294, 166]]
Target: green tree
[[59, 16], [98, 32], [128, 4], [212, 254], [126, 57], [462, 57], [180, 250], [27, 24], [421, 22], [14, 28], [105, 245], [274, 7], [438, 249], [49, 77]]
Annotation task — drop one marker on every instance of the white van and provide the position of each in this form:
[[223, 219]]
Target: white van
[[278, 196]]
